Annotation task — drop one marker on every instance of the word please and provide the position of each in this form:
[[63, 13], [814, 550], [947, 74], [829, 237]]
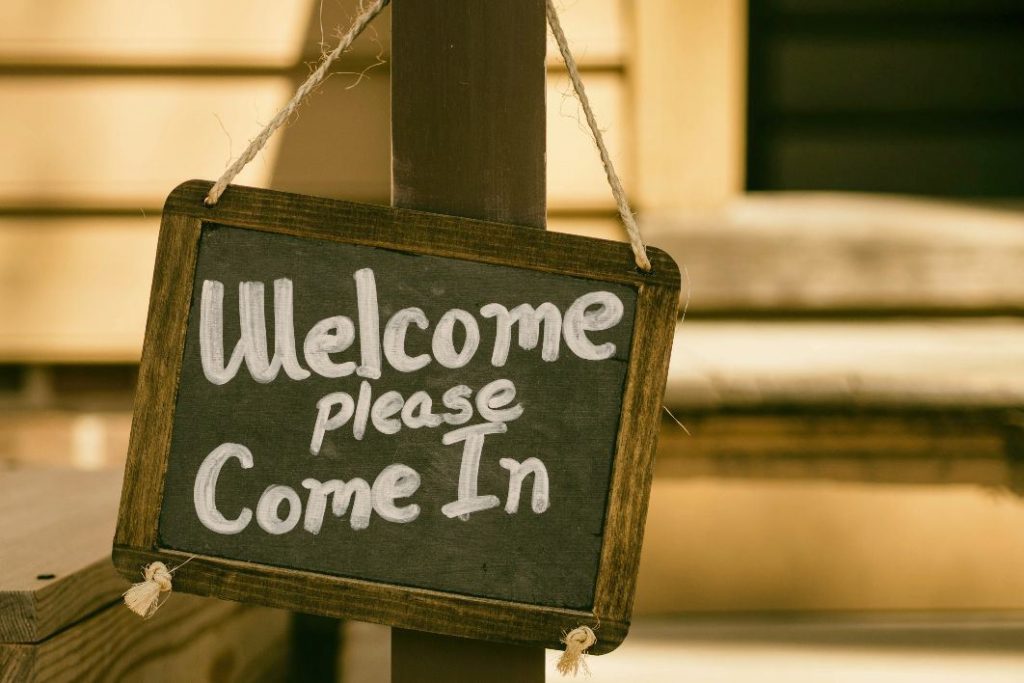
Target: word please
[[545, 325], [391, 410]]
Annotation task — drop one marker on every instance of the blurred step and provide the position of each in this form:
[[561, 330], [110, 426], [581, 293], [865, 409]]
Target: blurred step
[[941, 648]]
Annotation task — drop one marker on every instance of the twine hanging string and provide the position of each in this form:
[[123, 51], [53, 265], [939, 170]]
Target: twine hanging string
[[316, 78], [371, 10], [636, 242]]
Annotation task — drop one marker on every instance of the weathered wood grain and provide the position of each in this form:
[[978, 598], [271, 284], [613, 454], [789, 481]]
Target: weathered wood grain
[[447, 57], [158, 381], [419, 231], [55, 527], [190, 639], [411, 608]]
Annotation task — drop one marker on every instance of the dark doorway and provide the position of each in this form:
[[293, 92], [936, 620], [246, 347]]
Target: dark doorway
[[916, 96]]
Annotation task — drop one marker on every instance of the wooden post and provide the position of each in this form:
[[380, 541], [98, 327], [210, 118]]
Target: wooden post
[[468, 139]]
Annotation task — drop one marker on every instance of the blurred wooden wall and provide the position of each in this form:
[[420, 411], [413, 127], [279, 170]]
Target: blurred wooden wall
[[774, 503], [105, 106]]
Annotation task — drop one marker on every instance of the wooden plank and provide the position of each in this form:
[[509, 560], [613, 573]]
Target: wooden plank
[[82, 440], [664, 649], [191, 637], [117, 32], [444, 61], [689, 98], [599, 30], [75, 288], [113, 33], [832, 253], [133, 138], [939, 363], [120, 143], [764, 254], [55, 529]]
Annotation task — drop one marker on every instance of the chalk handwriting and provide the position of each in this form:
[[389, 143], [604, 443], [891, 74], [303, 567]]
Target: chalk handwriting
[[454, 338]]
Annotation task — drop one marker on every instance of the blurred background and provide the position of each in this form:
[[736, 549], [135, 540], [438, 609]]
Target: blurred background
[[842, 178]]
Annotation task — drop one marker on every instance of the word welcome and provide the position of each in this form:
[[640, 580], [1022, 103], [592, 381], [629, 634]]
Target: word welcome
[[591, 312]]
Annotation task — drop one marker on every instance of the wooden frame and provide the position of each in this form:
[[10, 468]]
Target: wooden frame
[[136, 543]]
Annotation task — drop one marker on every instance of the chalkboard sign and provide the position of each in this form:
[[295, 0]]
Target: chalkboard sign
[[381, 414]]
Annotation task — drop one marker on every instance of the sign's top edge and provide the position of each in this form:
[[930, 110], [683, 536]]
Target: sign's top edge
[[243, 206]]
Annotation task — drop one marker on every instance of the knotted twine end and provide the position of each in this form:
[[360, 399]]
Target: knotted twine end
[[577, 642], [144, 598]]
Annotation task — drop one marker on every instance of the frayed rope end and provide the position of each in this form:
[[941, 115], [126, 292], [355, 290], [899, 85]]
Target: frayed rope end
[[577, 642], [144, 598]]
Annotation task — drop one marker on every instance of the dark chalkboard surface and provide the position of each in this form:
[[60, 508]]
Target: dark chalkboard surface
[[569, 421], [348, 408]]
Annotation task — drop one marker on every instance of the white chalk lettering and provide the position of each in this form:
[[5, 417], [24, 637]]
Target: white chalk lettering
[[443, 343], [493, 397], [211, 336], [543, 326], [457, 398], [369, 324], [355, 497], [326, 422], [330, 335], [529, 319], [252, 344], [468, 501], [269, 507], [418, 411], [384, 408], [517, 472], [394, 482], [355, 493], [204, 493], [394, 340], [362, 411], [578, 321]]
